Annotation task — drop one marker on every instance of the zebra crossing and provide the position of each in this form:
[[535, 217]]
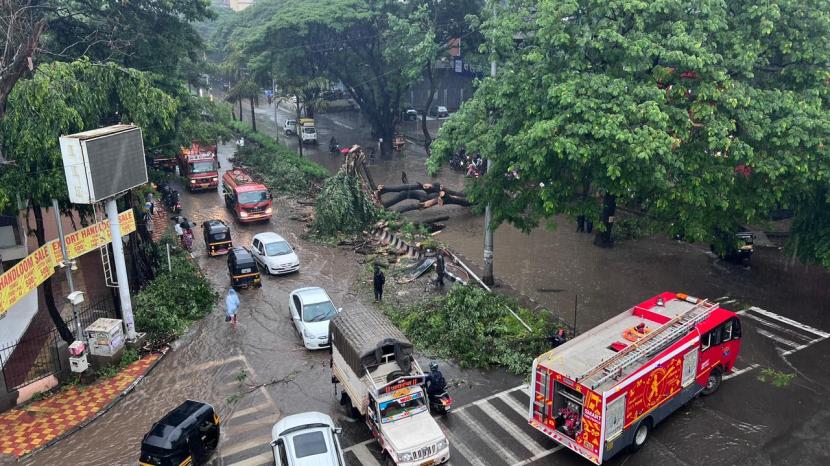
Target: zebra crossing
[[490, 431], [787, 335]]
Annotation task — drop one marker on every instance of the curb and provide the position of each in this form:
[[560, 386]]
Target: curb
[[100, 413]]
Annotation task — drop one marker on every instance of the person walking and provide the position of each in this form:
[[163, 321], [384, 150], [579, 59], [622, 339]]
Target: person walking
[[441, 269], [378, 280], [231, 307]]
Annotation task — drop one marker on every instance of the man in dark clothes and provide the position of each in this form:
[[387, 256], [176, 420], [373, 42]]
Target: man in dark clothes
[[404, 179], [440, 268], [378, 280], [580, 223]]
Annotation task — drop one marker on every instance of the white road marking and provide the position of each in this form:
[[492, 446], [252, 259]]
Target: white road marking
[[252, 409], [339, 123], [258, 460], [779, 328], [511, 428], [728, 301], [777, 338], [238, 447], [211, 364], [788, 321], [364, 456], [789, 352], [461, 447], [514, 403], [539, 456], [488, 438], [738, 372], [460, 408]]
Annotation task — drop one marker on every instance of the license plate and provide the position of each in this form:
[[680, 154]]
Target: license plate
[[428, 463], [246, 270]]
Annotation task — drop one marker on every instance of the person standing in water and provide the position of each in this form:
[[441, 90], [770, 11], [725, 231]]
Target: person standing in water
[[231, 307]]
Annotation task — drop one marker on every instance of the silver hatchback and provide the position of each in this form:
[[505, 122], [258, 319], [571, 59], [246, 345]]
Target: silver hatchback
[[306, 439]]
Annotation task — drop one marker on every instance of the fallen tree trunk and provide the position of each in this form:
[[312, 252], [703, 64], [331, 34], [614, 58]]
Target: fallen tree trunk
[[402, 196], [428, 221]]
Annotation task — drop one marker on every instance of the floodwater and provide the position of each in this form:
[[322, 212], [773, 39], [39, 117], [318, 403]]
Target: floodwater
[[553, 267]]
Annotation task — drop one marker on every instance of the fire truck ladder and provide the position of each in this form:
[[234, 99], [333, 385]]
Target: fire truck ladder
[[680, 325]]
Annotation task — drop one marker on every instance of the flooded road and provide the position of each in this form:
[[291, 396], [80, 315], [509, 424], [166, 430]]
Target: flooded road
[[748, 422]]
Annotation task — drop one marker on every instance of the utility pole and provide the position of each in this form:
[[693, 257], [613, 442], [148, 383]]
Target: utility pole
[[69, 266], [121, 269], [487, 276]]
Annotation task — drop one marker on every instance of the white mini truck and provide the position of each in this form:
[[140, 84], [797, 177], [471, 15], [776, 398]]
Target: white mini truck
[[381, 380]]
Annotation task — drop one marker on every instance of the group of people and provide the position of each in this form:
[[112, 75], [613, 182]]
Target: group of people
[[473, 165]]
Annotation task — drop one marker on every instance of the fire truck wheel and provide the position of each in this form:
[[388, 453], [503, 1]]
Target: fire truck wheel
[[713, 382], [640, 435]]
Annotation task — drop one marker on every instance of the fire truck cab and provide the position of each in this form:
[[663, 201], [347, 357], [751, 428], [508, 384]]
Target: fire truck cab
[[198, 164], [604, 391], [250, 201]]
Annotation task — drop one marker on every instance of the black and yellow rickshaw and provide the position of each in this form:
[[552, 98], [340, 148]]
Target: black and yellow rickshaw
[[243, 268], [187, 435], [217, 237]]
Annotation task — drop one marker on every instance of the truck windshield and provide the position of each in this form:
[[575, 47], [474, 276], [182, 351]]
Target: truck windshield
[[252, 197], [402, 407], [202, 167]]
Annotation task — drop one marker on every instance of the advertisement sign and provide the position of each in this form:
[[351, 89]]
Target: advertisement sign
[[30, 272], [652, 389], [25, 276]]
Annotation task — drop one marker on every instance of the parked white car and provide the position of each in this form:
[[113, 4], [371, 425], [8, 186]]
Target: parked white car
[[311, 311], [274, 254], [306, 439], [289, 127]]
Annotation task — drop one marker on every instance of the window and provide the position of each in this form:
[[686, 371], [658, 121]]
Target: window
[[690, 360], [308, 444], [716, 336], [726, 331], [205, 166], [402, 407], [252, 197], [704, 341], [297, 305], [283, 455], [256, 244], [277, 248], [736, 329], [318, 312]]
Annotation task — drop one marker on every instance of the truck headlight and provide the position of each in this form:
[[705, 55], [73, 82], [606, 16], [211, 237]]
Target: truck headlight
[[441, 444], [243, 214], [268, 210], [214, 179], [406, 456], [192, 181]]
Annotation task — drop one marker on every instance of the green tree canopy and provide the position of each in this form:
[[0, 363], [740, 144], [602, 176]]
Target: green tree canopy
[[703, 116]]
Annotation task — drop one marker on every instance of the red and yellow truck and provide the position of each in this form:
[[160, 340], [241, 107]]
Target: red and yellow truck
[[200, 167], [250, 201], [605, 390]]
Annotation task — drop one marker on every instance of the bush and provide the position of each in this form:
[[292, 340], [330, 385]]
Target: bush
[[280, 168], [173, 300], [342, 207], [475, 327]]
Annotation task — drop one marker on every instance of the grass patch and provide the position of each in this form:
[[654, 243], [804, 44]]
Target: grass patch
[[776, 378], [475, 328], [175, 299], [280, 168]]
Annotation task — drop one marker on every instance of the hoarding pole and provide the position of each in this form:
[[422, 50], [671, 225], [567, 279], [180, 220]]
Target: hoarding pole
[[68, 267], [576, 298], [121, 268], [487, 276]]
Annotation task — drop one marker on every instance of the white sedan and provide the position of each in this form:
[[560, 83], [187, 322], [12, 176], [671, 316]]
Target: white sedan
[[306, 439], [311, 310], [274, 253]]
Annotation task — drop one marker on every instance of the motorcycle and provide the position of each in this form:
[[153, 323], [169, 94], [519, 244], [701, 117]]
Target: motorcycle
[[440, 403], [558, 338], [334, 147], [171, 201]]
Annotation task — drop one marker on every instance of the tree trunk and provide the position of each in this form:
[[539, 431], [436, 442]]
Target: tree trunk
[[299, 129], [48, 294], [240, 109], [604, 239], [427, 138], [253, 115]]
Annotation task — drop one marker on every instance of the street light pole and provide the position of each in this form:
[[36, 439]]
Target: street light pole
[[68, 267], [487, 276]]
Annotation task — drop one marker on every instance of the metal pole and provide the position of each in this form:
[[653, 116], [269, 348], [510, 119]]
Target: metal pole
[[487, 276], [68, 268], [169, 267], [121, 269], [576, 299]]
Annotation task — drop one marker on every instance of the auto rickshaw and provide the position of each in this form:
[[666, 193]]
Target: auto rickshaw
[[243, 269], [186, 435], [217, 237]]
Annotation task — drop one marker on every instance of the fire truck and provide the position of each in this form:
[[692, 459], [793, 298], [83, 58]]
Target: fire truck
[[605, 390], [250, 201], [198, 164]]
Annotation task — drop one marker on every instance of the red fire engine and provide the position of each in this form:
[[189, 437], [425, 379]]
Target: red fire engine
[[198, 164], [249, 200], [604, 390]]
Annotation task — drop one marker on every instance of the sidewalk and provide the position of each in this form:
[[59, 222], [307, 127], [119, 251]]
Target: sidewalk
[[26, 429]]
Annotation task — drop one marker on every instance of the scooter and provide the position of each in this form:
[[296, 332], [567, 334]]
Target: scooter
[[440, 403], [334, 147]]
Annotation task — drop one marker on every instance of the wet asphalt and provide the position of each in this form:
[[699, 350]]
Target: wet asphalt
[[748, 421]]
